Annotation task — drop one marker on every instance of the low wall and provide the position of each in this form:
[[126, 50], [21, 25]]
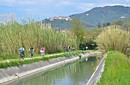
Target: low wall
[[14, 73], [97, 73]]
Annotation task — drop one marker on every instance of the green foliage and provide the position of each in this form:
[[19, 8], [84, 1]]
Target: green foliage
[[91, 45], [78, 30], [4, 57], [13, 35], [113, 39], [58, 24], [117, 70], [96, 17], [89, 37], [123, 23], [103, 15], [20, 62]]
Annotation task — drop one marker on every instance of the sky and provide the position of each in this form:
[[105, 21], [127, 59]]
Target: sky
[[41, 9]]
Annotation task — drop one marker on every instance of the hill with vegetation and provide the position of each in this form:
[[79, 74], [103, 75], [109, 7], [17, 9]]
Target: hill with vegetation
[[93, 18]]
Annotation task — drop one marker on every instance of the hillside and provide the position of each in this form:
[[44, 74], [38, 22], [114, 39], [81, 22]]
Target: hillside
[[93, 17]]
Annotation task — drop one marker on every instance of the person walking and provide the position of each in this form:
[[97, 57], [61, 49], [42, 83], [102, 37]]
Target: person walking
[[65, 48], [42, 51], [86, 47], [31, 50], [72, 48], [69, 48], [22, 52]]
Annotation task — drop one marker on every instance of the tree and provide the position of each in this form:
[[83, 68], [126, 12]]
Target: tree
[[78, 30], [99, 25], [108, 24]]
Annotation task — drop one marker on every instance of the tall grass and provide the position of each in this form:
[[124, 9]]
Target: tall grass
[[113, 39], [13, 35], [117, 70], [20, 62]]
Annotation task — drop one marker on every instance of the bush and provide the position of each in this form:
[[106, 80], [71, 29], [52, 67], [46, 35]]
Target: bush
[[113, 39]]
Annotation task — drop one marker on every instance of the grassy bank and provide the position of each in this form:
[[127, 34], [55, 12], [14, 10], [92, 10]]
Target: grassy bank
[[20, 62], [117, 70]]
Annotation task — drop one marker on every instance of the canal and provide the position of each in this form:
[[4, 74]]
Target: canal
[[76, 73]]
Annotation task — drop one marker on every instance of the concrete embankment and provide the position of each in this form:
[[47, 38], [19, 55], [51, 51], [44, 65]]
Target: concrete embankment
[[97, 73], [14, 73]]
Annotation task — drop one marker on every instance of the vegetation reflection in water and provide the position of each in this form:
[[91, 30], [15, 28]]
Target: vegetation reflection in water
[[72, 74]]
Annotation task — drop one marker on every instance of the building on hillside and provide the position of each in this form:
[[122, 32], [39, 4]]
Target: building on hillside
[[67, 18]]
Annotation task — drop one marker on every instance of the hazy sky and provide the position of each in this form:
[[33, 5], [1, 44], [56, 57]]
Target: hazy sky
[[40, 9]]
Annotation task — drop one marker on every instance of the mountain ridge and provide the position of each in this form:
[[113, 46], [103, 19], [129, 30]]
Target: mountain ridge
[[95, 16]]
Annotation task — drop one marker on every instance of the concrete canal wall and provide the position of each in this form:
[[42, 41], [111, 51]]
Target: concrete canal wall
[[14, 73], [97, 73]]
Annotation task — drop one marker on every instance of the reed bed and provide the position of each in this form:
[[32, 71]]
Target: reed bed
[[14, 35], [113, 39]]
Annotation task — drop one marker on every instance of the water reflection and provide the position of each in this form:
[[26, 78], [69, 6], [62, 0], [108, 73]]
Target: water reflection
[[73, 74]]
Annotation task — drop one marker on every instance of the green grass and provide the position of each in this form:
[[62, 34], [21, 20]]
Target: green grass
[[27, 55], [16, 56], [20, 62], [117, 70]]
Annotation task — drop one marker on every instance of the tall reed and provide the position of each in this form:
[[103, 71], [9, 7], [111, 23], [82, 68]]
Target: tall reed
[[113, 39], [13, 35]]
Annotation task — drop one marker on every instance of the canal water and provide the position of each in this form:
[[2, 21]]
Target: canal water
[[76, 73]]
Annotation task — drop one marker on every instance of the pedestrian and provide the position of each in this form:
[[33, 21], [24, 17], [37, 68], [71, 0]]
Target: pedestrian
[[72, 48], [31, 50], [42, 50], [86, 47], [68, 48], [22, 52], [65, 48]]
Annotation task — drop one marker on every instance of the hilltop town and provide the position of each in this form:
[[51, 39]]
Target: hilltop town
[[67, 18]]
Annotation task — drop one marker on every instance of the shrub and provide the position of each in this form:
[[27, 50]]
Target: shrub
[[113, 39]]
